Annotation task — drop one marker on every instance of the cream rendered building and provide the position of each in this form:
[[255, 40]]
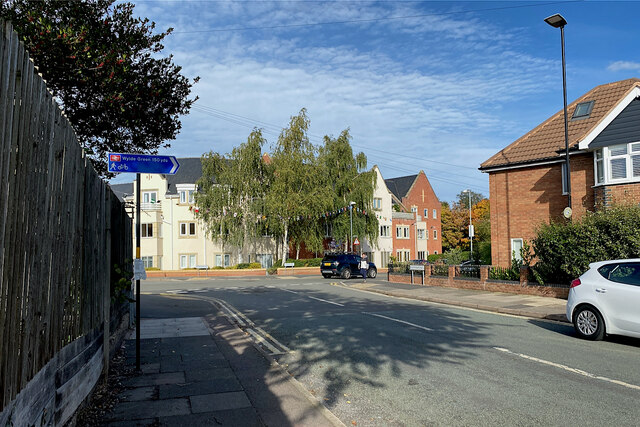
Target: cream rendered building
[[171, 236], [379, 252]]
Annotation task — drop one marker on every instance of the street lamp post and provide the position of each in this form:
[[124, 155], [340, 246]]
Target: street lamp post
[[351, 224], [470, 225], [558, 21]]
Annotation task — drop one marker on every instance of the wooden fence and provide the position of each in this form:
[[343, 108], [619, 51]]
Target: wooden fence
[[61, 230]]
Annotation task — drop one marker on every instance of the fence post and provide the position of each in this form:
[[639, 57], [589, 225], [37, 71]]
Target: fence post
[[452, 274], [524, 276]]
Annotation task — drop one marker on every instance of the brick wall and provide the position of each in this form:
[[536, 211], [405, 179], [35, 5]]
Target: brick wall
[[522, 199], [621, 194], [404, 244], [484, 283]]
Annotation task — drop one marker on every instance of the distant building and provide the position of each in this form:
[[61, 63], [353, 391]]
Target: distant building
[[172, 238], [414, 194]]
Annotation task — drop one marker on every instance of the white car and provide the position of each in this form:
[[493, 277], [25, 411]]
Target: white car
[[606, 300]]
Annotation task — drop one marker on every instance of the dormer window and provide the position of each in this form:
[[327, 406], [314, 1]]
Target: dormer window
[[583, 110]]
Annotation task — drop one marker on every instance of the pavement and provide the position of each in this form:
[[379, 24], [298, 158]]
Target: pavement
[[499, 302], [205, 371]]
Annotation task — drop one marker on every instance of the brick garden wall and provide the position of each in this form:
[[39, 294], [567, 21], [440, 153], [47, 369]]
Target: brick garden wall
[[484, 283]]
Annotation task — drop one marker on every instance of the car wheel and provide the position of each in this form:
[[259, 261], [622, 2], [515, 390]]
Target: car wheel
[[372, 273], [588, 323], [346, 273], [326, 276]]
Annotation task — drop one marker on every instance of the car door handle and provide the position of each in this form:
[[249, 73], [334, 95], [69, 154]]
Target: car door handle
[[601, 290]]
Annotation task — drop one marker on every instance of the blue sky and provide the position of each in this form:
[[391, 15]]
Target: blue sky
[[440, 87]]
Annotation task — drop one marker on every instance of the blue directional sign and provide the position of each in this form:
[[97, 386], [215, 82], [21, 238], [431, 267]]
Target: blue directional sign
[[142, 163]]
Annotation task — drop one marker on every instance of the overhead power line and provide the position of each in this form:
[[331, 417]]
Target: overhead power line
[[271, 129]]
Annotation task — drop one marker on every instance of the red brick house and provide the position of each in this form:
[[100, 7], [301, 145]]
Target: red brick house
[[414, 194], [526, 179]]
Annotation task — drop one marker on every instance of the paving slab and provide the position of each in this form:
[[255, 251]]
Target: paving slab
[[219, 402], [245, 417], [149, 409], [205, 386]]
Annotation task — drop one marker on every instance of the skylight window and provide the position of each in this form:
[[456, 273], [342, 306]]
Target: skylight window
[[583, 110]]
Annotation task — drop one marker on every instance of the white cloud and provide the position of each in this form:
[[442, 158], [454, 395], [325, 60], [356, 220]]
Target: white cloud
[[624, 66], [432, 89]]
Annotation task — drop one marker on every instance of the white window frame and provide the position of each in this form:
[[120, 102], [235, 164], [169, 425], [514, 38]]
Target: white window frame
[[144, 230], [426, 213], [516, 254], [633, 151], [435, 234], [421, 233], [421, 255], [385, 231], [184, 261], [402, 232], [414, 209], [377, 203], [435, 214], [183, 196], [149, 197], [147, 261], [185, 229], [563, 170]]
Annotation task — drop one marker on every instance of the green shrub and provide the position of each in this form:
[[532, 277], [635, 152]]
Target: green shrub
[[255, 265], [309, 262], [433, 258], [242, 266], [564, 250]]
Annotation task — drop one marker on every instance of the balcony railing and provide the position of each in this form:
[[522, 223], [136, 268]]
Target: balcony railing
[[151, 206]]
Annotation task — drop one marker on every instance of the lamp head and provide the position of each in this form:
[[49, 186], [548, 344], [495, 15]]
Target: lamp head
[[556, 21], [352, 203]]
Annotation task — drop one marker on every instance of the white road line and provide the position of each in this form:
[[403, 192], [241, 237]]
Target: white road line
[[328, 302], [317, 299], [569, 369], [399, 321]]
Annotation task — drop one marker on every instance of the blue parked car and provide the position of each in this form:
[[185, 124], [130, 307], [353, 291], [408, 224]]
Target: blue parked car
[[345, 266]]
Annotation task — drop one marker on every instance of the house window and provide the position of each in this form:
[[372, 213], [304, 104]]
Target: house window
[[377, 203], [426, 213], [421, 255], [188, 261], [187, 228], [564, 179], [385, 231], [421, 234], [403, 255], [384, 259], [516, 249], [435, 213], [617, 163], [402, 232], [223, 260], [599, 164], [435, 234], [583, 110], [150, 197], [414, 209], [147, 261], [146, 230]]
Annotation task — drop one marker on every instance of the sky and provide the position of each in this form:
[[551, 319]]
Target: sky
[[421, 85]]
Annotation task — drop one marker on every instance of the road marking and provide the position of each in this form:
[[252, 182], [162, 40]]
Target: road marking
[[329, 302], [569, 369], [399, 321], [317, 299]]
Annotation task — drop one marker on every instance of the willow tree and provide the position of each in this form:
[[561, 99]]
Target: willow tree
[[297, 194], [348, 179], [231, 193]]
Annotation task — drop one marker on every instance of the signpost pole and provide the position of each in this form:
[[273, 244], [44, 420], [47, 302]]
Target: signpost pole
[[138, 280]]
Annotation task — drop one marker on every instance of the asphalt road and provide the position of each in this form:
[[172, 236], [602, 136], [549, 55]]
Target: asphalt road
[[383, 361]]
